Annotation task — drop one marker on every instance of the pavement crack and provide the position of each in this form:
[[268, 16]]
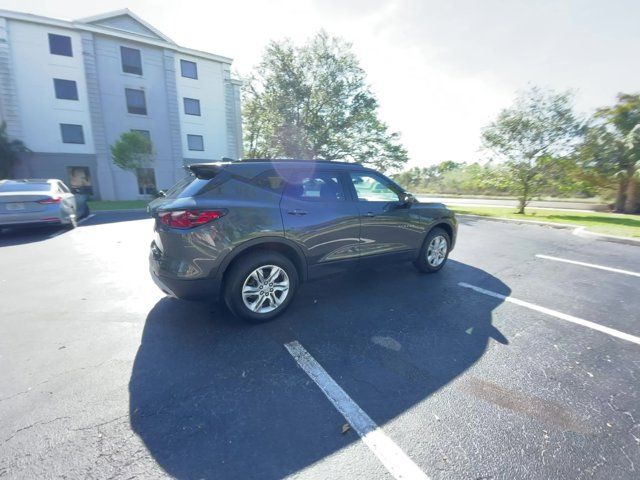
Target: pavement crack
[[35, 424], [98, 425]]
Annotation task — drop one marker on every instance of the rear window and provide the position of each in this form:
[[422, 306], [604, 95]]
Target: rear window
[[24, 187], [187, 187]]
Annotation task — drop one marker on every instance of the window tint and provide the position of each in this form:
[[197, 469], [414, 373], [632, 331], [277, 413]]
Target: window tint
[[188, 69], [146, 181], [71, 133], [60, 45], [136, 102], [63, 188], [65, 89], [80, 180], [131, 60], [195, 142], [191, 106], [320, 186], [269, 181], [372, 188]]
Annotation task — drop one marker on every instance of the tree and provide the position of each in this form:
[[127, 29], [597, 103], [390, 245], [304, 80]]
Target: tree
[[313, 102], [539, 126], [611, 149], [10, 151], [132, 151]]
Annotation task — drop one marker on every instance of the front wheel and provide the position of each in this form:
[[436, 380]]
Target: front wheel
[[434, 252], [260, 286]]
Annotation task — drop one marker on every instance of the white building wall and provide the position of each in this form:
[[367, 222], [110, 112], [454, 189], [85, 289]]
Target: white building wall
[[34, 70], [209, 89]]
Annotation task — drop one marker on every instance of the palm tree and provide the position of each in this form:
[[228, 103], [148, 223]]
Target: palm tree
[[9, 151]]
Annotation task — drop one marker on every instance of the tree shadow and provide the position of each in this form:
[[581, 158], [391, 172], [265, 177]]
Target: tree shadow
[[212, 397]]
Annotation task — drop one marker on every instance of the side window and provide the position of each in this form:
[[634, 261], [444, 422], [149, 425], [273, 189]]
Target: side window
[[63, 188], [318, 187], [269, 181], [373, 188]]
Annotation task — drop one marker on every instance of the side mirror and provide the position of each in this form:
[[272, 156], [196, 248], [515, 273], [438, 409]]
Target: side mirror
[[161, 193], [407, 199]]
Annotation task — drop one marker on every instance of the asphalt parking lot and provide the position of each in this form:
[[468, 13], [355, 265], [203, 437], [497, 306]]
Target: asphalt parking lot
[[535, 373]]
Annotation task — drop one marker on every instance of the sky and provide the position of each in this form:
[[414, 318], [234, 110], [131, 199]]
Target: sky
[[441, 70]]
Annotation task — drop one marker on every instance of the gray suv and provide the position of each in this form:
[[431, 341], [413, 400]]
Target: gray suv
[[252, 231]]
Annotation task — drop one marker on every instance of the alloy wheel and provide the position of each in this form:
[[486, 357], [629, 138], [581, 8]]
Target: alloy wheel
[[437, 251], [265, 289]]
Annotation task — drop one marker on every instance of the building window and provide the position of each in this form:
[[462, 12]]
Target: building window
[[65, 89], [71, 133], [146, 181], [192, 106], [195, 142], [146, 134], [136, 102], [60, 45], [189, 69], [131, 60], [80, 180]]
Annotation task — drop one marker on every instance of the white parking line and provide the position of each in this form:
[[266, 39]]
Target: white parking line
[[562, 316], [591, 265], [86, 218], [60, 232], [398, 464]]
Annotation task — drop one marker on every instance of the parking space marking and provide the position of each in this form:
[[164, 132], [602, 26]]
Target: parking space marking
[[591, 265], [86, 218], [562, 316], [399, 465]]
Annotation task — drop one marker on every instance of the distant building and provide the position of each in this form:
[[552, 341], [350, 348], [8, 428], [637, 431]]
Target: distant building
[[69, 89]]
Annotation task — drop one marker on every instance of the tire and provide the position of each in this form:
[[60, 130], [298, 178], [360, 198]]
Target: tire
[[73, 222], [430, 260], [244, 278]]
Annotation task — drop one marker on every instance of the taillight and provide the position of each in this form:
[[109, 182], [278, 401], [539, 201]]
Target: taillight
[[189, 218], [48, 201]]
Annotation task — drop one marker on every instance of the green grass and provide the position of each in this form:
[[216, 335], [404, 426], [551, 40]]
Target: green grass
[[607, 223], [118, 205], [593, 200]]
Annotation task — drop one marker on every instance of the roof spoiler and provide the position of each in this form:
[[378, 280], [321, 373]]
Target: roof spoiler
[[204, 170]]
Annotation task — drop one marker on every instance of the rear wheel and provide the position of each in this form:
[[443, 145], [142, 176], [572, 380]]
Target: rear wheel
[[260, 286], [434, 252]]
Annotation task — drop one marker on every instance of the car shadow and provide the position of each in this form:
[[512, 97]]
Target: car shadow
[[20, 236], [213, 397], [11, 236]]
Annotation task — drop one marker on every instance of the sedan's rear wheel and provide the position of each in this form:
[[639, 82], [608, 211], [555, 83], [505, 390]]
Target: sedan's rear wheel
[[260, 286]]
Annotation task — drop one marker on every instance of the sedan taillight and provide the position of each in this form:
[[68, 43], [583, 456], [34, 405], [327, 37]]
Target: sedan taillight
[[189, 218], [49, 201]]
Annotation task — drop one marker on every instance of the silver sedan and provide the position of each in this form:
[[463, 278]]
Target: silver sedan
[[39, 202]]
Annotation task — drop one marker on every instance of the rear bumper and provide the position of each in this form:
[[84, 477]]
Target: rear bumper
[[186, 289]]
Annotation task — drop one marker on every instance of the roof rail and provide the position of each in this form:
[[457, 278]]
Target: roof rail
[[299, 160]]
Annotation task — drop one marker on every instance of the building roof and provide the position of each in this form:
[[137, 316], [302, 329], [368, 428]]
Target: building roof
[[106, 20], [120, 23]]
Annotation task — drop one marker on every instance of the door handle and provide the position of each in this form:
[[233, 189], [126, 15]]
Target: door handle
[[297, 212], [369, 214]]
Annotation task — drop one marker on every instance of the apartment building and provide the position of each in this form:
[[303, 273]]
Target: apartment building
[[69, 89]]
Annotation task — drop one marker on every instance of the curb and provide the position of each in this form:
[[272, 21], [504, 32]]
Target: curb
[[577, 230]]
